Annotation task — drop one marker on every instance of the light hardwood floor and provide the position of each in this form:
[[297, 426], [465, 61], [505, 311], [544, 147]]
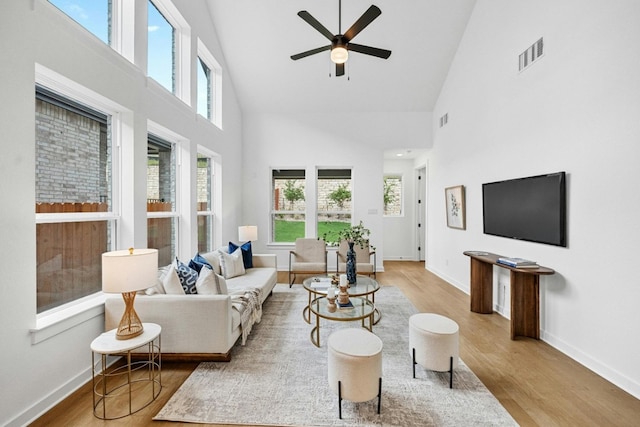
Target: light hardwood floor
[[537, 384]]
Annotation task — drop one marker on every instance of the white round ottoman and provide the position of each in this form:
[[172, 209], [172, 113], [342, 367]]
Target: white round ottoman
[[433, 343], [355, 365]]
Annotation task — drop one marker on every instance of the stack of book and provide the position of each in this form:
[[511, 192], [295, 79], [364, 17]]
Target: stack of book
[[517, 262]]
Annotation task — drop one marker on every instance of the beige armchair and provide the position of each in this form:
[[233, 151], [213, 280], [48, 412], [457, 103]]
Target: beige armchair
[[309, 257], [364, 257]]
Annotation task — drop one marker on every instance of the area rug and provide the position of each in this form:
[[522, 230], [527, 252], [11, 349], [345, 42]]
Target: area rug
[[279, 378]]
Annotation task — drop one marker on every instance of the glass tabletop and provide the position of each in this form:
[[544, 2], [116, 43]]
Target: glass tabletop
[[362, 308], [319, 284]]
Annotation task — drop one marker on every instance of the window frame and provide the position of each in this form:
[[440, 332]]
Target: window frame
[[336, 212], [402, 196], [57, 319], [214, 197], [215, 84], [158, 133], [181, 49], [273, 212]]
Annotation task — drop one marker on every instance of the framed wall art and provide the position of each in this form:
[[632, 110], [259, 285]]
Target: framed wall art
[[455, 207]]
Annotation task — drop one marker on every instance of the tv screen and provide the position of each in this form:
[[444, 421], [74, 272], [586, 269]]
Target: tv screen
[[531, 208]]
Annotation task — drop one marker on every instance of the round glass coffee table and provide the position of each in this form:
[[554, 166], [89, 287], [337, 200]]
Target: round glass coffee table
[[364, 287], [362, 309]]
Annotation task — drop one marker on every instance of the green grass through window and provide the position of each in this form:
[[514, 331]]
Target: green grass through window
[[289, 231]]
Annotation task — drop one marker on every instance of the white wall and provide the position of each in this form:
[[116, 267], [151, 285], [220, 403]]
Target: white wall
[[309, 141], [575, 110], [36, 376]]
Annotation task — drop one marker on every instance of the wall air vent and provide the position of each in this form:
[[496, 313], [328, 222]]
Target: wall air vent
[[532, 53], [444, 119]]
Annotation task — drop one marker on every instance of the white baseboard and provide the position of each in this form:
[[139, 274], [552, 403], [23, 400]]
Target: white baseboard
[[625, 383], [41, 407]]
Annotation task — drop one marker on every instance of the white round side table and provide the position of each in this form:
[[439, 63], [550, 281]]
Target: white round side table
[[143, 376]]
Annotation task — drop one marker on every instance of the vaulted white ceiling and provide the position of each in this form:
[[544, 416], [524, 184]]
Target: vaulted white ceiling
[[258, 38]]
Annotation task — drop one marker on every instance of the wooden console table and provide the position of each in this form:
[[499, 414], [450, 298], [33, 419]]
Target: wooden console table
[[525, 292]]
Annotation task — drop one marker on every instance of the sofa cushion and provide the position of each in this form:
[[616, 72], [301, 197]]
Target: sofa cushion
[[188, 277], [171, 282], [210, 283], [308, 266], [232, 264], [260, 278], [247, 256]]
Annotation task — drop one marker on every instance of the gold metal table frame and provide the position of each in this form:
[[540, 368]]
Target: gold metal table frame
[[140, 376], [364, 287], [363, 309]]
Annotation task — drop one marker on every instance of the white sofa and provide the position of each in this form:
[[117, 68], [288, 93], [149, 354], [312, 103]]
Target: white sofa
[[199, 327]]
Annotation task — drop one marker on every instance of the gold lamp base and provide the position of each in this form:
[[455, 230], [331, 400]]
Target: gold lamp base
[[130, 325]]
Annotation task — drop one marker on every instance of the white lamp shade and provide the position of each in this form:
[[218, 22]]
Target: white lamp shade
[[248, 233], [129, 270]]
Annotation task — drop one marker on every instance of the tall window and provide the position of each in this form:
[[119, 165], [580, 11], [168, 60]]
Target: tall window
[[289, 206], [161, 198], [161, 52], [94, 15], [334, 202], [205, 211], [209, 85], [75, 222], [204, 89], [392, 193]]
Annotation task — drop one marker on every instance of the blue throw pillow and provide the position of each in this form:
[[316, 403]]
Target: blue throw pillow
[[198, 262], [188, 277], [247, 256]]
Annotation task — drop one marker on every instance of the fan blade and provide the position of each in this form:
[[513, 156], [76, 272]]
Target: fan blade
[[368, 50], [372, 13], [315, 24], [310, 52], [339, 70]]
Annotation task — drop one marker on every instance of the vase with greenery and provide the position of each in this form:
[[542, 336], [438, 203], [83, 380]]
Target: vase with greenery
[[354, 235]]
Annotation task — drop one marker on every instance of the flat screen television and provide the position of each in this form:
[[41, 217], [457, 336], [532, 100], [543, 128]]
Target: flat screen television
[[531, 208]]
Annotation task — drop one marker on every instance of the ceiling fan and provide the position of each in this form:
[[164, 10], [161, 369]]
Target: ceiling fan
[[341, 43]]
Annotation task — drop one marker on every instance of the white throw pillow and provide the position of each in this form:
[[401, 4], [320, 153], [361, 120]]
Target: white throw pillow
[[171, 282], [209, 283], [213, 258], [158, 288], [232, 264]]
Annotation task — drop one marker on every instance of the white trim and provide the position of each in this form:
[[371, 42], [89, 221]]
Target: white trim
[[67, 87], [51, 218], [59, 319], [160, 214]]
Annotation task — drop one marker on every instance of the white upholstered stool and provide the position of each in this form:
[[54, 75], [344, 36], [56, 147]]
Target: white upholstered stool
[[355, 365], [433, 343]]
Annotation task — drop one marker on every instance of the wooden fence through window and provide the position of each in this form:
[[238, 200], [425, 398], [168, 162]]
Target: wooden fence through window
[[160, 231], [69, 255]]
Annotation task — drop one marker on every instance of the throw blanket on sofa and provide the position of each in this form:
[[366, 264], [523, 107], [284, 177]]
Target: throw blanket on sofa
[[250, 310]]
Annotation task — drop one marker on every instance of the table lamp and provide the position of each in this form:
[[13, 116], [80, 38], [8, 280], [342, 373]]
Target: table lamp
[[247, 233], [126, 272]]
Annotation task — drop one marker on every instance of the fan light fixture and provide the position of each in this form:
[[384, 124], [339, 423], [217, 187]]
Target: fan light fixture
[[341, 44], [339, 55]]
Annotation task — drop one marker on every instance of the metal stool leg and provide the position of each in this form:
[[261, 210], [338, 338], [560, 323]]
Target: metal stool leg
[[451, 372], [340, 399], [379, 393], [413, 352]]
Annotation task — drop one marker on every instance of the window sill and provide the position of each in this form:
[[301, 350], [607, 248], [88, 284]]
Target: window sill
[[55, 322]]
